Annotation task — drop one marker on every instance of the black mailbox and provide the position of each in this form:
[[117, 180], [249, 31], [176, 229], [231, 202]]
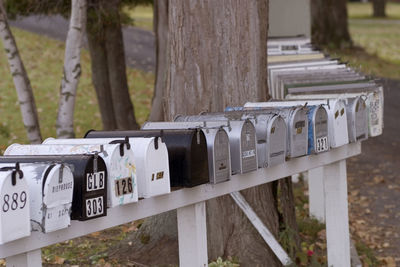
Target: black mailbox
[[187, 152], [90, 182]]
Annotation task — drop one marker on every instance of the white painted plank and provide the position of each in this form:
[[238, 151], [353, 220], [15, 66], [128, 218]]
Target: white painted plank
[[337, 216], [31, 258], [316, 193], [177, 199], [280, 253], [192, 235]]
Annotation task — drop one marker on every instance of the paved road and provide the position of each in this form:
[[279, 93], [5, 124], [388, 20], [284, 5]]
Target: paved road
[[139, 44]]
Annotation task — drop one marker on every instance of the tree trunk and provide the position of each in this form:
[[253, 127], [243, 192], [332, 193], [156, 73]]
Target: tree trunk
[[100, 79], [72, 70], [329, 23], [379, 8], [21, 80], [216, 57], [123, 107], [161, 32]]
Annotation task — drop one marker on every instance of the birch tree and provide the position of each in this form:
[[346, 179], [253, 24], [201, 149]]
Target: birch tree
[[72, 70], [21, 80]]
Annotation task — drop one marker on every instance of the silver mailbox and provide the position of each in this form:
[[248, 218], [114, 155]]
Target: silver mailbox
[[357, 119], [14, 201], [149, 167], [297, 125], [51, 187], [219, 162], [242, 141], [118, 159]]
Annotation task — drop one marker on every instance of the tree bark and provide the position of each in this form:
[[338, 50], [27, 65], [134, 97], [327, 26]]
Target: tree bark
[[379, 8], [216, 57], [123, 107], [72, 70], [21, 80], [329, 25], [161, 32], [100, 79]]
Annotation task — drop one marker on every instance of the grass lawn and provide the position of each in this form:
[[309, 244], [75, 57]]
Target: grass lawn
[[364, 10], [43, 59], [140, 16]]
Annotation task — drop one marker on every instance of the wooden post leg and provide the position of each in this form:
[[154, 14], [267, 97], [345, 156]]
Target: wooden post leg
[[192, 235], [31, 258], [337, 215], [316, 193]]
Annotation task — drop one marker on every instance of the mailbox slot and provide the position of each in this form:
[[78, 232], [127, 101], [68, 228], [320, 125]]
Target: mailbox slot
[[14, 201], [242, 140], [187, 153], [90, 176], [119, 160], [219, 161]]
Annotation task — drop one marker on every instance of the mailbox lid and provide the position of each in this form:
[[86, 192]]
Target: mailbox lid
[[276, 149], [298, 129], [361, 120], [82, 166], [15, 215], [188, 158], [318, 129]]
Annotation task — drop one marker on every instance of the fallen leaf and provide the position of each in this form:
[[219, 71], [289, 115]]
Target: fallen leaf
[[58, 260]]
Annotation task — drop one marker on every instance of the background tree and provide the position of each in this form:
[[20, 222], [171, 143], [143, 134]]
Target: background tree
[[72, 70], [379, 8], [215, 57], [329, 24], [21, 80]]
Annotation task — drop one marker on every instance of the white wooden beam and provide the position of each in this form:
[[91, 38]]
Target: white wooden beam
[[192, 235], [316, 193], [30, 258], [268, 237], [337, 216]]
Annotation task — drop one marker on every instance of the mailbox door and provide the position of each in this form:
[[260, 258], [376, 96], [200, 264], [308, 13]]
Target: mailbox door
[[14, 203], [361, 120], [320, 142], [299, 133], [248, 148], [375, 110], [338, 119], [276, 141], [261, 125], [58, 187], [222, 165]]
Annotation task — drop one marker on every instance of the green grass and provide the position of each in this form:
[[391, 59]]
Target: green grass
[[364, 10], [140, 16], [43, 59]]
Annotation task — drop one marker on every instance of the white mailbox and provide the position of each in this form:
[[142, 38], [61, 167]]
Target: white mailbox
[[219, 161], [242, 140], [14, 201], [337, 118], [149, 167], [51, 187], [122, 184], [297, 125]]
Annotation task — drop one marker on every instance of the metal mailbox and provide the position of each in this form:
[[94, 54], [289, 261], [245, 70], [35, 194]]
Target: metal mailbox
[[242, 140], [187, 153], [337, 118], [50, 189], [119, 160], [318, 132], [357, 119], [149, 168], [297, 125], [14, 201], [219, 161], [89, 200]]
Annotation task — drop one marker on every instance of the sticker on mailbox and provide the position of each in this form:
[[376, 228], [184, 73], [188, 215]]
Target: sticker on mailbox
[[94, 206], [123, 186], [95, 181], [322, 144], [248, 153]]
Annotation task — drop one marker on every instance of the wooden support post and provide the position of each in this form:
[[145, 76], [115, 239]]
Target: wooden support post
[[336, 214], [192, 235], [31, 258], [316, 194]]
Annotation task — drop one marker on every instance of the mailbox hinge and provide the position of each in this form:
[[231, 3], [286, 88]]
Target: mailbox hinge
[[60, 173], [96, 155]]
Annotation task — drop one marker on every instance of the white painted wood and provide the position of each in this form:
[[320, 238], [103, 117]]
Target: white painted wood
[[31, 258], [316, 193], [176, 199], [268, 237], [192, 235], [336, 214]]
